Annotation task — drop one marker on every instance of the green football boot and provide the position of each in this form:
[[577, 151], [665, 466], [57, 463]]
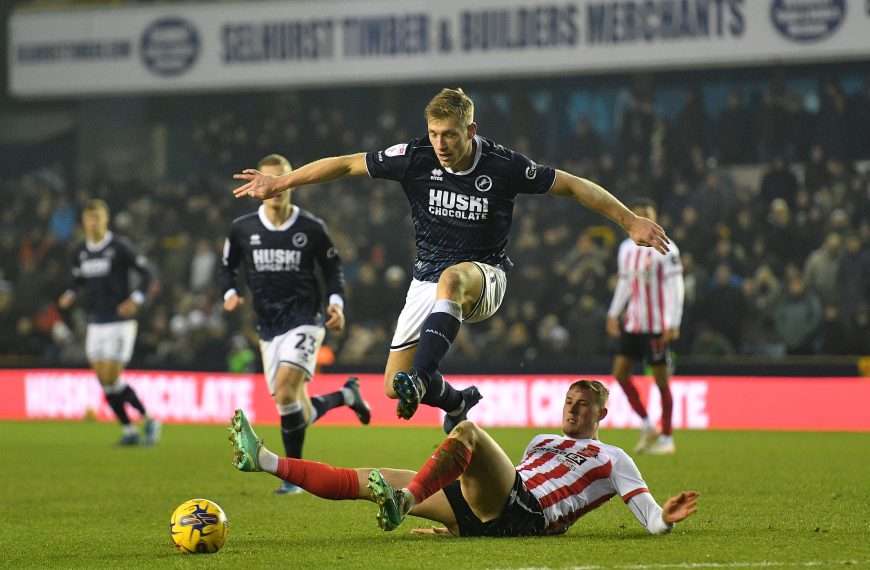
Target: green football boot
[[393, 504], [246, 444]]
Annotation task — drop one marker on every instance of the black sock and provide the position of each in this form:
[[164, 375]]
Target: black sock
[[293, 433], [129, 395], [437, 333], [441, 394], [326, 402], [116, 402]]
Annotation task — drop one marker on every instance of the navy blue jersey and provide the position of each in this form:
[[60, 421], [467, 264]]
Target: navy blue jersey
[[101, 276], [460, 216], [281, 268]]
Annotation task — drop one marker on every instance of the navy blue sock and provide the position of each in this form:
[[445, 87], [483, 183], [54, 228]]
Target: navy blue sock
[[437, 333], [116, 402], [129, 396], [440, 394], [293, 429], [326, 402]]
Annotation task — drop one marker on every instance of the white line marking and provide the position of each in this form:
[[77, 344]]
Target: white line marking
[[693, 565]]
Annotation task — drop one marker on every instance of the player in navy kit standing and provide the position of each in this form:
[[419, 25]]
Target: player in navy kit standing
[[282, 246], [100, 270], [461, 188]]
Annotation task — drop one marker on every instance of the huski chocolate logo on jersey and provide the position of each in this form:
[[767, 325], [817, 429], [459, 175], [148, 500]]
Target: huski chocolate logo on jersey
[[459, 206], [276, 259]]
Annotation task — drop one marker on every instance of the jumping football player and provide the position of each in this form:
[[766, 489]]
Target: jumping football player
[[651, 285], [471, 486], [461, 188], [101, 277], [282, 246]]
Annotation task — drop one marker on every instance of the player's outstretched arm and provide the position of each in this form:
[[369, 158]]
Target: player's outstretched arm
[[641, 230], [262, 186]]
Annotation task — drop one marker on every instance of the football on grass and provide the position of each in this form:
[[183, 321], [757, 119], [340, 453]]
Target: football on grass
[[198, 526]]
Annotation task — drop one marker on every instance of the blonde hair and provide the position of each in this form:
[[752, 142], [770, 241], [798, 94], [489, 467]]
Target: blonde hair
[[275, 160], [451, 104], [595, 386]]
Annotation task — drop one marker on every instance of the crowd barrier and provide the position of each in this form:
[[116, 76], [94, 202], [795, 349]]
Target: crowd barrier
[[528, 400]]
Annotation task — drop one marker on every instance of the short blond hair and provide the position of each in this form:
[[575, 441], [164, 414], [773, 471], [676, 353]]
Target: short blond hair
[[275, 160], [451, 104], [600, 390]]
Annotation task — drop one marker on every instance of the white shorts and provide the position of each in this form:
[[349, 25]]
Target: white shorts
[[111, 341], [297, 347], [421, 298]]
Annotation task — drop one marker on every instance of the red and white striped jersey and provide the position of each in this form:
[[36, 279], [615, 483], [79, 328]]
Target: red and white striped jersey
[[652, 286], [571, 477]]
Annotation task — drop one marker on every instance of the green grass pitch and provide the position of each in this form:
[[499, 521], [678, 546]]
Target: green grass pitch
[[69, 498]]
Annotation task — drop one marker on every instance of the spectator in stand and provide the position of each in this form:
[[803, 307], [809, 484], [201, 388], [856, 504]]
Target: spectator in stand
[[779, 182], [821, 269], [723, 307], [784, 244], [798, 317], [853, 276]]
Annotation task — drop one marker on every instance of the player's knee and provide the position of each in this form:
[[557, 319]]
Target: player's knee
[[286, 392], [467, 432], [452, 281]]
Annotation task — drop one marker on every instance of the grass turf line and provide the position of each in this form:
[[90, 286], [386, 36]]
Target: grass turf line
[[69, 498]]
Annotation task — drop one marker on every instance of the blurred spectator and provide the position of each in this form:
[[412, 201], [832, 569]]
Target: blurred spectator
[[202, 266], [821, 269], [798, 317], [779, 182], [723, 307]]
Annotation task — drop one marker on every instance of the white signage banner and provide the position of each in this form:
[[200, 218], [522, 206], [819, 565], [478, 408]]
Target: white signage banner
[[269, 44]]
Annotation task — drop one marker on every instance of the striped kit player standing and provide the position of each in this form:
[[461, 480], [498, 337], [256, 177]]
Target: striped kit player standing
[[649, 301], [101, 269]]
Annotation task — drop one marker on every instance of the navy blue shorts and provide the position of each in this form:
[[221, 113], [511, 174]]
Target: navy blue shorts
[[521, 515]]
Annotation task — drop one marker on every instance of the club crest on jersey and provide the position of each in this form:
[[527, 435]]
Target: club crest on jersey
[[396, 150], [300, 239], [437, 175], [255, 239], [483, 183], [531, 171]]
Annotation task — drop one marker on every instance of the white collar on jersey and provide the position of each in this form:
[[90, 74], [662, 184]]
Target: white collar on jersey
[[477, 152], [294, 213], [98, 245]]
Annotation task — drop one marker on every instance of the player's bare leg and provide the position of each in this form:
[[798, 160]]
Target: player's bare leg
[[457, 294], [622, 366], [397, 361], [664, 443], [324, 480], [490, 476], [470, 455], [434, 508]]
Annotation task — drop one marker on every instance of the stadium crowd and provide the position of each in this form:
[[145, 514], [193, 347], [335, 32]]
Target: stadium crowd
[[766, 195]]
